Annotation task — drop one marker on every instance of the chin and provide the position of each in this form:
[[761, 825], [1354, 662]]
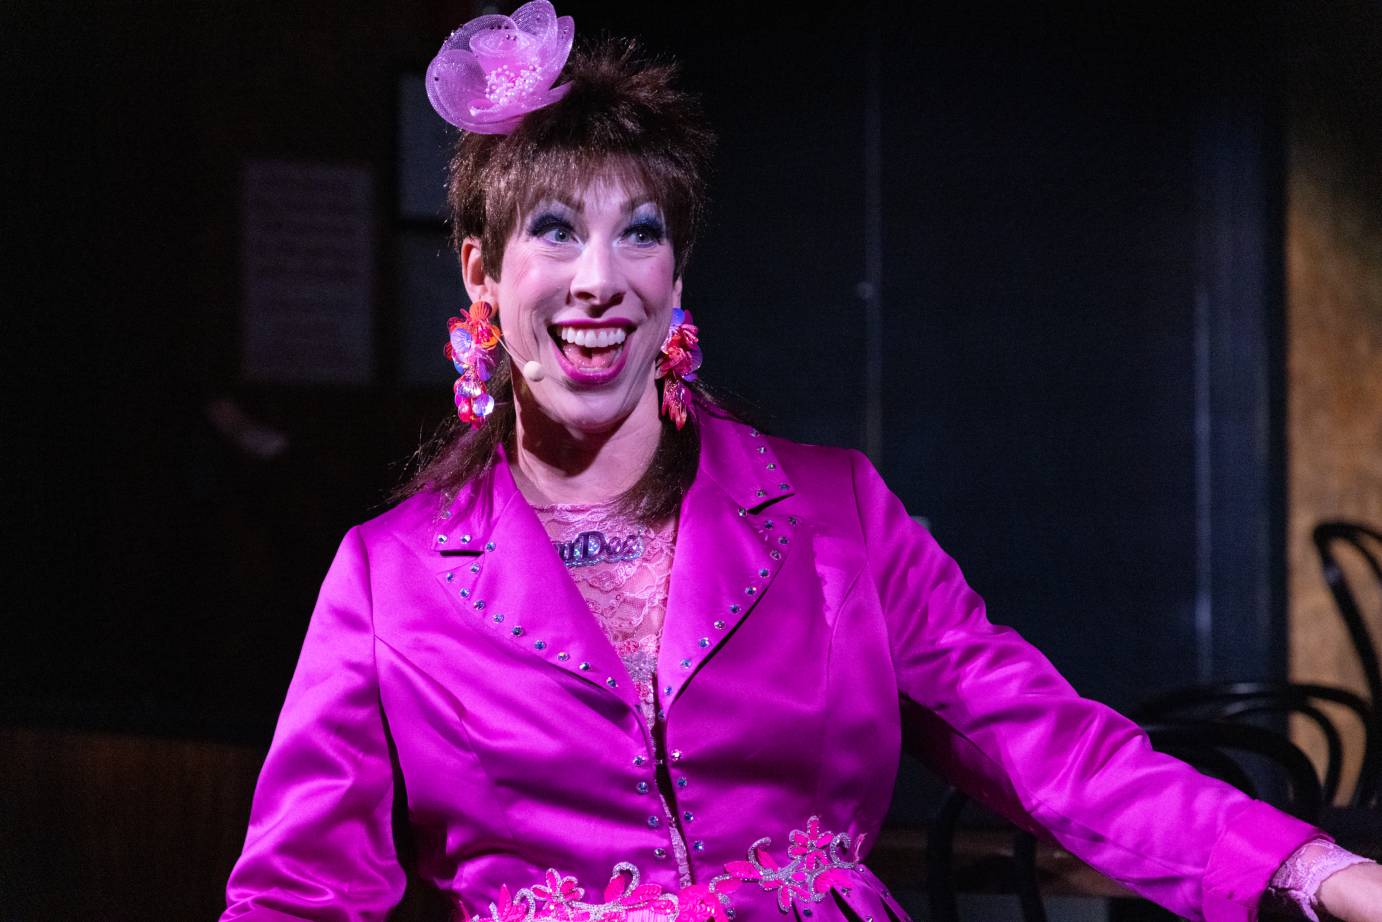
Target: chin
[[588, 412]]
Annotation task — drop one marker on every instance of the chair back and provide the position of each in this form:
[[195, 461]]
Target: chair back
[[1239, 701], [1215, 748], [1367, 544], [1020, 874]]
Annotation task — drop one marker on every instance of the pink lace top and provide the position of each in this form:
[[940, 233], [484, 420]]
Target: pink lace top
[[622, 569]]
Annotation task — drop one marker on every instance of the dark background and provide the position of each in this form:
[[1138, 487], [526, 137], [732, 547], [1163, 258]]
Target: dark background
[[1068, 217]]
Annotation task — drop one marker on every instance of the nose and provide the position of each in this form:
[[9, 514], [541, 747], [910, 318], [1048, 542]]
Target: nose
[[598, 281]]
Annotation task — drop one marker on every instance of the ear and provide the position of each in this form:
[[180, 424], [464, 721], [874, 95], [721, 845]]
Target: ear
[[477, 284], [676, 293]]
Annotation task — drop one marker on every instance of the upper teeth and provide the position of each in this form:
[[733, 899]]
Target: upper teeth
[[592, 339]]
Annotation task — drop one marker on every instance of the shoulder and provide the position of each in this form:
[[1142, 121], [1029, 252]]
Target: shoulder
[[403, 532], [821, 481]]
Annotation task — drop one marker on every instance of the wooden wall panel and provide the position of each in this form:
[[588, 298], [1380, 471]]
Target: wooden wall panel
[[1334, 322]]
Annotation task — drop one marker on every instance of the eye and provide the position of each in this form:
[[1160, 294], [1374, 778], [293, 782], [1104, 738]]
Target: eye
[[647, 232], [551, 228]]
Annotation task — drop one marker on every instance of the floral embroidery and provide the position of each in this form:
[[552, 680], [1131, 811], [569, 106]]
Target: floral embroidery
[[818, 861], [818, 858]]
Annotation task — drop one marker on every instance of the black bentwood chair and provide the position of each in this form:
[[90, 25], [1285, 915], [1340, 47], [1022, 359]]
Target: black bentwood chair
[[1215, 748], [1366, 543], [1231, 703]]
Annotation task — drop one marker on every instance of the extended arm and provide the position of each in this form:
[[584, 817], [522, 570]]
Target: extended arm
[[998, 720]]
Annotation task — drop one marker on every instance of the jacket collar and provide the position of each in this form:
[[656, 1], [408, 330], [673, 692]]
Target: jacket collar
[[730, 547]]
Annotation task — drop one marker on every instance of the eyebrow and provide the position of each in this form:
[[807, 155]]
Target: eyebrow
[[631, 204]]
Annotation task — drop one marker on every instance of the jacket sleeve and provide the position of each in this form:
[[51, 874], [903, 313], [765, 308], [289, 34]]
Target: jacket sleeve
[[996, 719], [320, 843]]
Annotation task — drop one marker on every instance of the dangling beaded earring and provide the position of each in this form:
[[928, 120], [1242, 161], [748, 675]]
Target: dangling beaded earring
[[681, 356], [471, 349]]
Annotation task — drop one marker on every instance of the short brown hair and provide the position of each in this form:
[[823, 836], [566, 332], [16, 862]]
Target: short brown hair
[[622, 114]]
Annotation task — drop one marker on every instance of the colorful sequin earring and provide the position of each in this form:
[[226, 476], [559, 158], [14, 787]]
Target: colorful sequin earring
[[681, 356], [473, 338]]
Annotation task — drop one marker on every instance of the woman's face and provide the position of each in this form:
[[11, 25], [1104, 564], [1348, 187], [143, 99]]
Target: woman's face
[[587, 292]]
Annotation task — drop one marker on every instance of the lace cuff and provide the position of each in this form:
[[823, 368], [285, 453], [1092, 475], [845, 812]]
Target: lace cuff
[[1297, 882]]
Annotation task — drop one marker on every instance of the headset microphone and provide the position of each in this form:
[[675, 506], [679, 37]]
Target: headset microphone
[[531, 369]]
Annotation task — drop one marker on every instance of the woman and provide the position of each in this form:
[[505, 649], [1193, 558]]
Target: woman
[[759, 607]]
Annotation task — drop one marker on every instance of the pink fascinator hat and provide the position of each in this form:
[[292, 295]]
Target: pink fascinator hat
[[496, 69]]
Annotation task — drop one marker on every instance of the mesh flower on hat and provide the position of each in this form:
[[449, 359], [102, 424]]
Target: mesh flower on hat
[[496, 69]]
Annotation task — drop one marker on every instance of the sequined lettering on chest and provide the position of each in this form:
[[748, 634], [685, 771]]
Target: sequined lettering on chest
[[592, 547]]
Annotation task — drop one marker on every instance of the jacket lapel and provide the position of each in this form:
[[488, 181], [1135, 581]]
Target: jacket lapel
[[730, 548], [497, 564], [495, 561]]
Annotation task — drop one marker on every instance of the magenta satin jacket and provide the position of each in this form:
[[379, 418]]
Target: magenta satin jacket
[[452, 663]]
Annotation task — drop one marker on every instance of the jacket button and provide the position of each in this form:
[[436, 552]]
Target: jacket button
[[641, 787], [654, 822], [681, 782], [703, 642], [639, 760], [465, 593], [659, 853], [676, 755], [584, 667], [688, 816], [719, 625], [563, 656], [686, 664], [698, 845]]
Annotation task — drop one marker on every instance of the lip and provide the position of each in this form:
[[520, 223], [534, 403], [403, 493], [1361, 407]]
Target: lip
[[591, 323], [582, 376]]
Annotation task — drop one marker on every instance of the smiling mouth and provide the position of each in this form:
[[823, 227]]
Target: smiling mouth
[[589, 348]]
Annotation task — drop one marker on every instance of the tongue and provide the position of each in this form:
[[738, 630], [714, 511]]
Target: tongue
[[591, 358]]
